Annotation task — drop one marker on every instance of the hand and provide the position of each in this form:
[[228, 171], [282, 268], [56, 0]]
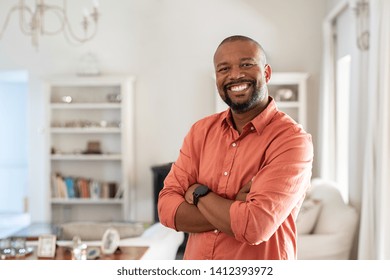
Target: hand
[[189, 193], [241, 196]]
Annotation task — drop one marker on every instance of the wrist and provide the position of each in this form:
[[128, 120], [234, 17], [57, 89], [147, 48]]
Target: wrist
[[199, 192]]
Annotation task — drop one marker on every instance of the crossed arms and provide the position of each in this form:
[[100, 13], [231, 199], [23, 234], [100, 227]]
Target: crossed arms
[[257, 209], [212, 212]]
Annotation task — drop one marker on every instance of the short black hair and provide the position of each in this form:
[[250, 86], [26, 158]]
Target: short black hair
[[234, 38]]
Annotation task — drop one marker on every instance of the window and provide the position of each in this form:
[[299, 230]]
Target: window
[[342, 122], [13, 141]]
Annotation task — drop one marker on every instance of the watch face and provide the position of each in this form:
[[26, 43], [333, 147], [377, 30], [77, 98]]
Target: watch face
[[201, 190]]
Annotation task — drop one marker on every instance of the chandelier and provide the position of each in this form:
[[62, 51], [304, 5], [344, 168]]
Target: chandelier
[[362, 24], [32, 21]]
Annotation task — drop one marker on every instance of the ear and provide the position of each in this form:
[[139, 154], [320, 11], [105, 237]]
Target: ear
[[267, 72]]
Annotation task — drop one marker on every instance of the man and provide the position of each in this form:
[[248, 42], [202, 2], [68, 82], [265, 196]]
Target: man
[[242, 174]]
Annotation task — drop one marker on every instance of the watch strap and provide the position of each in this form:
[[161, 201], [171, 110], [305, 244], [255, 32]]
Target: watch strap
[[199, 192]]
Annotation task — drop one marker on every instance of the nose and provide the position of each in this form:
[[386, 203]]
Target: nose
[[236, 73]]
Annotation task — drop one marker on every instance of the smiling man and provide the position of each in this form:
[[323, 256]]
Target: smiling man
[[241, 174]]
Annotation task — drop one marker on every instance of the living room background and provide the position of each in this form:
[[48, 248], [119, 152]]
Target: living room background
[[168, 47]]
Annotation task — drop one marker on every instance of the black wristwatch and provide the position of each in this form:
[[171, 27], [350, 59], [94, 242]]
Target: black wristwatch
[[199, 192]]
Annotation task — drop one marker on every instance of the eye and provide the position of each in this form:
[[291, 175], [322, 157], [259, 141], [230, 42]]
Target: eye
[[223, 69], [247, 65]]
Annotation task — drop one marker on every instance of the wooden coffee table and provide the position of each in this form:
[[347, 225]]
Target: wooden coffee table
[[65, 253]]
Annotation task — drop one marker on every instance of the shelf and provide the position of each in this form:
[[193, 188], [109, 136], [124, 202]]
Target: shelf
[[287, 78], [90, 119], [73, 106], [288, 104], [295, 82], [82, 157], [85, 130], [84, 201]]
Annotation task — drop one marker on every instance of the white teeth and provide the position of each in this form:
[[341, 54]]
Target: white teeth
[[239, 87]]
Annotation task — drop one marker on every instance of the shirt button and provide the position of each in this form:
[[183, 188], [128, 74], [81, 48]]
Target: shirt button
[[234, 144], [252, 128], [216, 231], [225, 173]]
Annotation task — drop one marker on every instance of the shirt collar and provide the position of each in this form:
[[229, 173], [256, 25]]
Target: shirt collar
[[259, 122]]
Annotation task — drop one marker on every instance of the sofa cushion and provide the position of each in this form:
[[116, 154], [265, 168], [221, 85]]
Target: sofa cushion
[[308, 215], [94, 231]]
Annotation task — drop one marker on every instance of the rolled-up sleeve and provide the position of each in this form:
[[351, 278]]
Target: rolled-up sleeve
[[276, 190], [181, 176]]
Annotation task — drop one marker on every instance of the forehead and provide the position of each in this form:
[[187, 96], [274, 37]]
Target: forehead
[[236, 50]]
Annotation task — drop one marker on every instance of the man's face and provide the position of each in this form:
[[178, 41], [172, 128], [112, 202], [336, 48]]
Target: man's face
[[240, 75]]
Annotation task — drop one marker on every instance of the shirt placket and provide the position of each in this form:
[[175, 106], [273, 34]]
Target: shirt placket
[[227, 166]]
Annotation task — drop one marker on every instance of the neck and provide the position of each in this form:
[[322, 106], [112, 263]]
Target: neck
[[241, 119]]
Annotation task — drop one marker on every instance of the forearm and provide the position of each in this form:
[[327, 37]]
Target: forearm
[[212, 211], [216, 210], [188, 218]]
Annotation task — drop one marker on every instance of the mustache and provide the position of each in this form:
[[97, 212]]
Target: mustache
[[232, 83]]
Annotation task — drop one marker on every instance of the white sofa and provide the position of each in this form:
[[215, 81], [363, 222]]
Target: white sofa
[[326, 224], [163, 242]]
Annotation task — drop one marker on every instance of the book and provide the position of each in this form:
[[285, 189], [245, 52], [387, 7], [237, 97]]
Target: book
[[95, 189], [54, 187], [83, 185], [112, 188], [69, 183], [62, 191], [104, 191], [119, 192]]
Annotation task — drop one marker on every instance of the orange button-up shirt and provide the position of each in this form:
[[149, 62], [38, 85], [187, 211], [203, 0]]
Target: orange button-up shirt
[[275, 153]]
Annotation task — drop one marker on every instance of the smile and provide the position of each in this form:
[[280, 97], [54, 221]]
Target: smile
[[238, 87]]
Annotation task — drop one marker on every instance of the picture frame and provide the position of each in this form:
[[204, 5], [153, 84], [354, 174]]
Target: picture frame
[[110, 241], [46, 246], [285, 95]]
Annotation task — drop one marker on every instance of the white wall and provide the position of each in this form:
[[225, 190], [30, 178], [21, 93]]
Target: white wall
[[168, 45]]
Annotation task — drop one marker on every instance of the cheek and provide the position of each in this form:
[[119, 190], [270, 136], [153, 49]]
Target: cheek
[[219, 83], [220, 91], [260, 80]]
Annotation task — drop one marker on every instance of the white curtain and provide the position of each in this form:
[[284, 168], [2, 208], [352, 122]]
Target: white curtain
[[374, 235], [327, 152], [327, 131]]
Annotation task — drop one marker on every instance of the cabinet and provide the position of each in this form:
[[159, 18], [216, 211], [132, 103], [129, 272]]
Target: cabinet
[[91, 150], [289, 92]]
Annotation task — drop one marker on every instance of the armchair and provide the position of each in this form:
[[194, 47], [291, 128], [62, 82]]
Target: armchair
[[334, 227]]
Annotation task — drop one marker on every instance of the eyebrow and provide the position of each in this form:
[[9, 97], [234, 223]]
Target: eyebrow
[[241, 60], [222, 64]]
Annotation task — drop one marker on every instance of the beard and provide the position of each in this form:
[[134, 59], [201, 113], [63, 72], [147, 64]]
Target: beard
[[257, 94]]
